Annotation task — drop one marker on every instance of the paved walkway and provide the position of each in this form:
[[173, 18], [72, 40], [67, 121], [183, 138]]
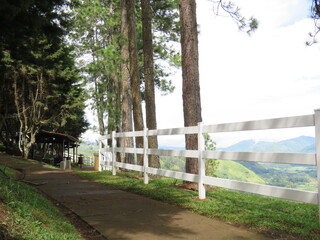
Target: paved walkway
[[122, 215]]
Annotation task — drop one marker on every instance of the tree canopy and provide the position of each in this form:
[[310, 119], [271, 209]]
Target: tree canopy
[[40, 84]]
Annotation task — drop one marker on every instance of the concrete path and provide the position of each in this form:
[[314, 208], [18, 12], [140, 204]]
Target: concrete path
[[122, 215]]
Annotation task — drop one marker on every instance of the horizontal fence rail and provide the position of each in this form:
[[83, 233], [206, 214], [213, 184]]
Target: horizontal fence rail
[[276, 123], [265, 157], [107, 154]]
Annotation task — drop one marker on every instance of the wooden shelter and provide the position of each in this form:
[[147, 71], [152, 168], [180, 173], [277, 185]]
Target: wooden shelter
[[52, 147]]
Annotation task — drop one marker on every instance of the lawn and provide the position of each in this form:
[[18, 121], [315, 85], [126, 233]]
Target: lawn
[[273, 217], [26, 214]]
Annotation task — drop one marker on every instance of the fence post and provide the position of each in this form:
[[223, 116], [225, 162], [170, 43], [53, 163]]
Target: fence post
[[145, 156], [317, 135], [114, 157], [201, 163], [100, 155]]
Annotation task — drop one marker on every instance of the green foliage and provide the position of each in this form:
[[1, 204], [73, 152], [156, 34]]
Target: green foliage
[[211, 164], [173, 163], [31, 216], [39, 82], [278, 218], [88, 149], [96, 36], [166, 33]]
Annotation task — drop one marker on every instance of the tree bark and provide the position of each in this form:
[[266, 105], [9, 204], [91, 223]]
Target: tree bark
[[100, 113], [29, 111], [149, 79], [134, 75], [190, 76], [126, 95]]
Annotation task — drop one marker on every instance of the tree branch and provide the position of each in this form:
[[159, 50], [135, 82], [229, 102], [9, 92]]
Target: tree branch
[[315, 14], [245, 25]]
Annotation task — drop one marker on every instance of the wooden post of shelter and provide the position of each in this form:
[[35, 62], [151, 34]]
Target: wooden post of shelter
[[62, 163], [76, 159], [73, 151], [68, 150]]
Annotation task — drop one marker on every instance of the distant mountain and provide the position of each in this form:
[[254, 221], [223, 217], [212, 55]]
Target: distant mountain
[[309, 149], [90, 142], [302, 144]]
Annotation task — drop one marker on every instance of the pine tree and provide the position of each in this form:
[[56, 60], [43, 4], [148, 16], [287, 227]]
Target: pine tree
[[190, 76]]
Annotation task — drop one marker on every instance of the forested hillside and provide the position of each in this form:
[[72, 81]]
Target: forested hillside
[[283, 175]]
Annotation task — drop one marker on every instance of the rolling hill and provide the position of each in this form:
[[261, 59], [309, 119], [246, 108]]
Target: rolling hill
[[284, 175], [236, 171]]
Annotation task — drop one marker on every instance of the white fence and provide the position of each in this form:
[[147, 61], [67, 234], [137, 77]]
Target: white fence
[[74, 158], [108, 154]]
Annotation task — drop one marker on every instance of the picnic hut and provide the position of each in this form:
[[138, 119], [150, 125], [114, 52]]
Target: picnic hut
[[52, 147]]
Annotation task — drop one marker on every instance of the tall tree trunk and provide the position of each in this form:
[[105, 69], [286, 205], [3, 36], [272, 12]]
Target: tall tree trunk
[[126, 95], [28, 112], [190, 76], [149, 79], [134, 75], [97, 92], [100, 114]]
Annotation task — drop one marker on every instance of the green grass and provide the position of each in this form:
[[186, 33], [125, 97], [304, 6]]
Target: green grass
[[28, 215], [28, 161], [278, 218]]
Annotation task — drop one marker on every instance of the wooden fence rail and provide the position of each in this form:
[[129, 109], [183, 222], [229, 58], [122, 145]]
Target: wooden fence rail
[[107, 154]]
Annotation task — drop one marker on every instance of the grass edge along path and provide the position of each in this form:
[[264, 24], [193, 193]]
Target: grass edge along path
[[275, 218], [26, 214]]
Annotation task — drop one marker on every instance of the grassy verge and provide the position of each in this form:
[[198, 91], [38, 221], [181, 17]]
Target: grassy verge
[[26, 214], [273, 217]]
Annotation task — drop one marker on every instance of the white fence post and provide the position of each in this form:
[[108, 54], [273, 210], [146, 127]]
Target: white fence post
[[317, 135], [145, 156], [201, 163], [100, 155], [114, 157]]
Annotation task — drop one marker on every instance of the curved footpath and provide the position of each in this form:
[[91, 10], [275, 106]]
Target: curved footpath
[[117, 214]]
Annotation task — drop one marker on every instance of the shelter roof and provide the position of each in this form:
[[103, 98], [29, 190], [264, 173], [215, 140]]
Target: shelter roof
[[47, 136]]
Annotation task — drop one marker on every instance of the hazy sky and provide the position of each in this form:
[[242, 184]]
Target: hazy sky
[[270, 74]]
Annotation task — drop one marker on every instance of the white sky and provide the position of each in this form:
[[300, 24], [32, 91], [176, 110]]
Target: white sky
[[267, 75]]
